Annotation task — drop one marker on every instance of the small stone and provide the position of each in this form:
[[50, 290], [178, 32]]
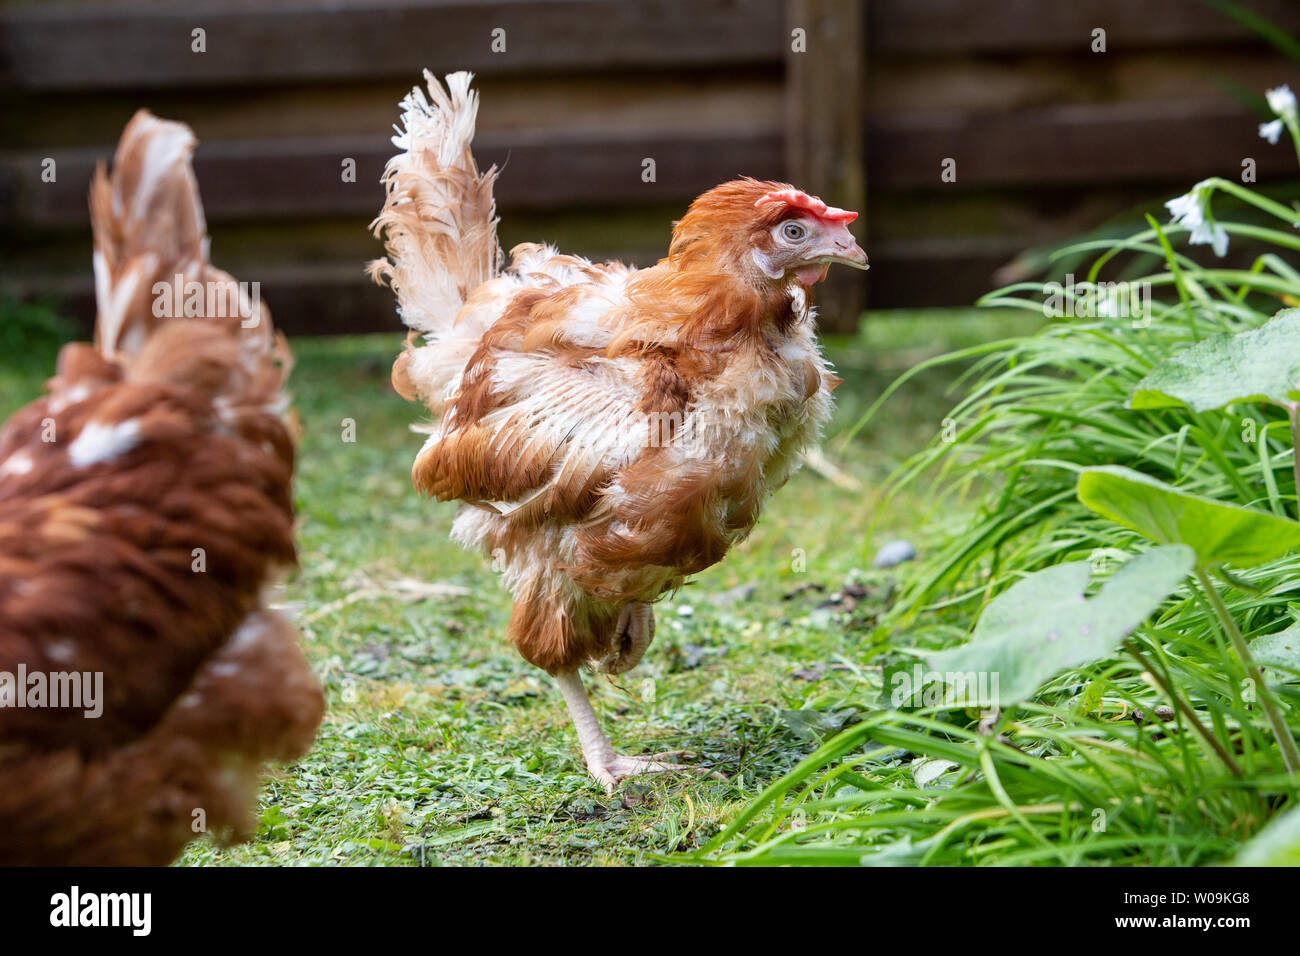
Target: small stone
[[741, 592], [894, 553], [814, 673], [693, 656]]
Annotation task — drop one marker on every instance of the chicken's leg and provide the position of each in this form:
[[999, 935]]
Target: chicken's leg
[[603, 763]]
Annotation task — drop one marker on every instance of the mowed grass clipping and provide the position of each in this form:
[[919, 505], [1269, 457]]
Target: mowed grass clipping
[[442, 746]]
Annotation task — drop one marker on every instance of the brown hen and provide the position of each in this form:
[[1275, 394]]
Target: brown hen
[[610, 430], [144, 508]]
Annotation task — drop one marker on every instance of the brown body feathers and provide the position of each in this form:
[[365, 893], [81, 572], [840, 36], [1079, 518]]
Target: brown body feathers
[[145, 505]]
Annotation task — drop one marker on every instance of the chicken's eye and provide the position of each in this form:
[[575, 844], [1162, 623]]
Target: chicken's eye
[[793, 231]]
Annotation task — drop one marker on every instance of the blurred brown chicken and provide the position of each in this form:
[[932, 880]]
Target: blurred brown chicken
[[610, 430], [145, 507]]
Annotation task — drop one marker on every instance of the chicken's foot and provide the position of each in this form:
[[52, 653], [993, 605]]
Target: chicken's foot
[[602, 762]]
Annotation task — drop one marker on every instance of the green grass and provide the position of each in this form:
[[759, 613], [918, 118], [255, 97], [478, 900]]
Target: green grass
[[442, 746]]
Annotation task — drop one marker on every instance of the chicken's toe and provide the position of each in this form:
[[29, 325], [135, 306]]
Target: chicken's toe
[[620, 767]]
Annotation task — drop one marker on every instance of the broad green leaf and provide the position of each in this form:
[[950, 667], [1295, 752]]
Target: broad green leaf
[[1280, 651], [1043, 625], [1262, 365], [1278, 844], [1217, 531]]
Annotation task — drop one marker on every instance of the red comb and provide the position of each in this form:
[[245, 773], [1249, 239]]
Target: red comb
[[801, 200]]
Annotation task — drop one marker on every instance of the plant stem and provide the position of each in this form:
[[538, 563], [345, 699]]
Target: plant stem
[[1281, 731], [1294, 130], [1185, 709], [1285, 213], [1295, 452]]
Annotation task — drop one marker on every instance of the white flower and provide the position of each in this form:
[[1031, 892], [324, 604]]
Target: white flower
[[1271, 131], [1282, 102], [1186, 210], [1189, 211], [1218, 240], [1209, 234]]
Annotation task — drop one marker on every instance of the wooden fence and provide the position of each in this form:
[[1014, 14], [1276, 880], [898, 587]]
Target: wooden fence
[[1049, 138]]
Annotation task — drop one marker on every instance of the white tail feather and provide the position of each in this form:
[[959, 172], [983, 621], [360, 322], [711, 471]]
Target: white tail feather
[[439, 216]]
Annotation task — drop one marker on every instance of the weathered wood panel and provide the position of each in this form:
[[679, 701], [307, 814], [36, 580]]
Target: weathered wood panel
[[302, 178], [1090, 143], [930, 27], [60, 46], [63, 46], [1050, 139]]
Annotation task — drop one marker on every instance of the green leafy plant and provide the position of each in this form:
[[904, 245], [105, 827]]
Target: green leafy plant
[[1214, 373], [1217, 533], [1043, 625]]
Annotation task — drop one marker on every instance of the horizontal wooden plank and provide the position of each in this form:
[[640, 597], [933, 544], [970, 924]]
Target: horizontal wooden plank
[[269, 179], [910, 84], [337, 299], [328, 298], [932, 27], [117, 45], [61, 46], [1084, 144]]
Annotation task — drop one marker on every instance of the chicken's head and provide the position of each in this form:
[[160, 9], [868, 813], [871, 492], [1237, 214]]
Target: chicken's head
[[767, 233]]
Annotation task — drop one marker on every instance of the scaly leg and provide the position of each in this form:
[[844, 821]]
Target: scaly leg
[[602, 762]]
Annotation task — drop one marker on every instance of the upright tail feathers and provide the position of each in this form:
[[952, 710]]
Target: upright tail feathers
[[151, 267], [439, 218]]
